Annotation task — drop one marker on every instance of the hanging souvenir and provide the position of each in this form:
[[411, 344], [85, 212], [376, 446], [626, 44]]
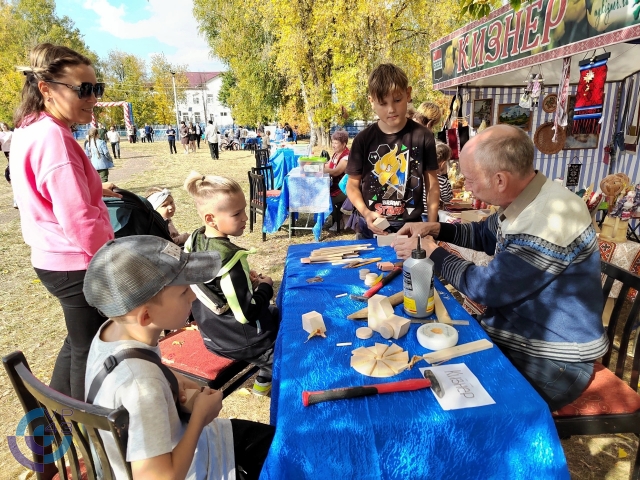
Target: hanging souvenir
[[590, 95], [525, 99], [536, 90], [560, 119]]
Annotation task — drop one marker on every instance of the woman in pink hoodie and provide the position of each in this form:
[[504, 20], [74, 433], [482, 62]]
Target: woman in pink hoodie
[[59, 193]]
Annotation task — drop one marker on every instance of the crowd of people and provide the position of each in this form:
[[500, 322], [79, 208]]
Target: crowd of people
[[118, 294]]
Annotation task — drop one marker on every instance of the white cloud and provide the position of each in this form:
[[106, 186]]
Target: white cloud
[[170, 26]]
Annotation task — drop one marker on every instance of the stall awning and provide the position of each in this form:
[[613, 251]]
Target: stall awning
[[500, 49]]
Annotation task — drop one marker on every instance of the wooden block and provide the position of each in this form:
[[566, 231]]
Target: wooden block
[[385, 330], [191, 394], [402, 356], [385, 266], [381, 223], [312, 321], [400, 326], [379, 310], [382, 370], [397, 366], [393, 349], [364, 333], [379, 349], [457, 351], [385, 240], [363, 313], [441, 311]]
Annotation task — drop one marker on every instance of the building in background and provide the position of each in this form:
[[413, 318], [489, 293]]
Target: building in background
[[202, 102]]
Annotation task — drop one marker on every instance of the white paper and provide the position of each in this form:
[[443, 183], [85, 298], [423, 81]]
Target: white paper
[[461, 387]]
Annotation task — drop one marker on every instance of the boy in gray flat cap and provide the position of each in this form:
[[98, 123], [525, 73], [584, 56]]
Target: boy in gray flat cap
[[142, 284]]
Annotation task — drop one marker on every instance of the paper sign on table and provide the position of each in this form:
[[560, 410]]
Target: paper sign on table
[[461, 387]]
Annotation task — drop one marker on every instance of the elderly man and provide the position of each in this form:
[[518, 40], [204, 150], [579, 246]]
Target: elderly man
[[542, 289]]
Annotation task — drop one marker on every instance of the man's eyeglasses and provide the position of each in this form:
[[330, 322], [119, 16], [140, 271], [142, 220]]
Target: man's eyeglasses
[[85, 88]]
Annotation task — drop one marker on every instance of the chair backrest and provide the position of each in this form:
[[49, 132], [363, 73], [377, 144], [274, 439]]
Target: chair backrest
[[267, 173], [627, 321], [257, 190], [58, 416], [262, 157]]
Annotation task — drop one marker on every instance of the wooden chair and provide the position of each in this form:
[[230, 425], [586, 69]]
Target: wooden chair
[[262, 157], [60, 417], [257, 199], [184, 352], [610, 404], [267, 173]]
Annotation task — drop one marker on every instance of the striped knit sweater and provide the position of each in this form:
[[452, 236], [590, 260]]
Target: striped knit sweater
[[542, 288]]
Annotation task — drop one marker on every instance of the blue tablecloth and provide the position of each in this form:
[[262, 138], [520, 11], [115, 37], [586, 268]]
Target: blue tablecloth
[[277, 209], [282, 161], [401, 435]]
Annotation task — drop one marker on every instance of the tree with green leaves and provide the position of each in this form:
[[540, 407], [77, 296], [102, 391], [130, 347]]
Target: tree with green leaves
[[23, 25]]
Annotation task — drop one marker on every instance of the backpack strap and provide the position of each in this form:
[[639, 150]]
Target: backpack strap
[[112, 362]]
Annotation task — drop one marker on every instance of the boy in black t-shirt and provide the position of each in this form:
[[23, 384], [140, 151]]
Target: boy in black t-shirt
[[393, 160]]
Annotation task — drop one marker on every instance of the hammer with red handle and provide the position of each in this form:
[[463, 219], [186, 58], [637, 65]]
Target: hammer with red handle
[[311, 398]]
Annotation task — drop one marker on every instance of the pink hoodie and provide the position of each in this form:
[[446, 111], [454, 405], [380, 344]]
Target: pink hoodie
[[59, 194]]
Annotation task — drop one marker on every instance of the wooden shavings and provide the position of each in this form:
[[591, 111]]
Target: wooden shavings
[[317, 332], [415, 359]]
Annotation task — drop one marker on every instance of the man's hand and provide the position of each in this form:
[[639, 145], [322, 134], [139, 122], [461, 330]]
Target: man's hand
[[265, 279], [404, 246], [371, 216], [107, 190], [207, 406]]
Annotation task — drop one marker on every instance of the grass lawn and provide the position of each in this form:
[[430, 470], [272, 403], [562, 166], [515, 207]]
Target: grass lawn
[[31, 319]]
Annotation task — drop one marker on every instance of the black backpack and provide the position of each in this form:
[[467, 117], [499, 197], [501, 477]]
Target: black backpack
[[134, 215]]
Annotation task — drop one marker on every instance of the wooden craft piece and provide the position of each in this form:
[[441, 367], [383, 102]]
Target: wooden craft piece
[[375, 361], [386, 240], [344, 248], [312, 322], [371, 279], [441, 311], [385, 330], [379, 310], [363, 314], [381, 223], [400, 325], [458, 351], [385, 266], [364, 333], [191, 394], [363, 272]]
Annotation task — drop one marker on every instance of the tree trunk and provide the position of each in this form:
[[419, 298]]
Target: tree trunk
[[313, 140]]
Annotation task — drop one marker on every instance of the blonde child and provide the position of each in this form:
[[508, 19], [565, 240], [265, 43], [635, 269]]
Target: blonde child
[[162, 202], [233, 311]]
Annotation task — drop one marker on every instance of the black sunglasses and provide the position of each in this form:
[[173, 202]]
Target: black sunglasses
[[85, 89]]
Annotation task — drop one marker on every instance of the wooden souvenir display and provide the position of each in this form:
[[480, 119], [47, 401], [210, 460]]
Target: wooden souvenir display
[[614, 229], [379, 360]]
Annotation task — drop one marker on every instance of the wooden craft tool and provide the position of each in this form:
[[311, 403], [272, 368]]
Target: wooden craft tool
[[457, 351], [363, 314], [382, 223], [311, 398], [363, 263]]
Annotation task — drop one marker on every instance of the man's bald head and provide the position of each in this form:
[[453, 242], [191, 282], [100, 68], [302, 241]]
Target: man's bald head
[[502, 148]]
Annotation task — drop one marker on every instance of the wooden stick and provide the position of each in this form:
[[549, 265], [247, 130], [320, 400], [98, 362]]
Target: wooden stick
[[322, 251], [457, 351], [363, 314], [363, 262], [441, 310], [343, 247], [326, 258]]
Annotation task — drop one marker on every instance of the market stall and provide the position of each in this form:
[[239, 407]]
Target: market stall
[[507, 68]]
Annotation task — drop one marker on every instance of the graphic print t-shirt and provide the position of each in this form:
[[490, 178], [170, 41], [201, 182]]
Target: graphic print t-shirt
[[391, 167]]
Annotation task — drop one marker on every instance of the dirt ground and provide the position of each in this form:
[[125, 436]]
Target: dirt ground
[[31, 319]]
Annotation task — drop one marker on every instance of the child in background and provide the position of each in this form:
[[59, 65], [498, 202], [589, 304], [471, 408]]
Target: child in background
[[142, 284], [443, 154], [162, 202], [233, 311]]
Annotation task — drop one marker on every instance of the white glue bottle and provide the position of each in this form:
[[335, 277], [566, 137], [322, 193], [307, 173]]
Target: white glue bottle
[[417, 273]]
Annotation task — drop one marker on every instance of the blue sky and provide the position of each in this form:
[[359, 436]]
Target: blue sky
[[142, 28]]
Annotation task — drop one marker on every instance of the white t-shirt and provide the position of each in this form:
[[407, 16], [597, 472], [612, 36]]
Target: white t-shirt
[[211, 133], [154, 425], [113, 136], [6, 141]]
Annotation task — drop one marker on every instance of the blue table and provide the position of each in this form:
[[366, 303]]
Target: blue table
[[282, 161], [277, 209], [395, 436]]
